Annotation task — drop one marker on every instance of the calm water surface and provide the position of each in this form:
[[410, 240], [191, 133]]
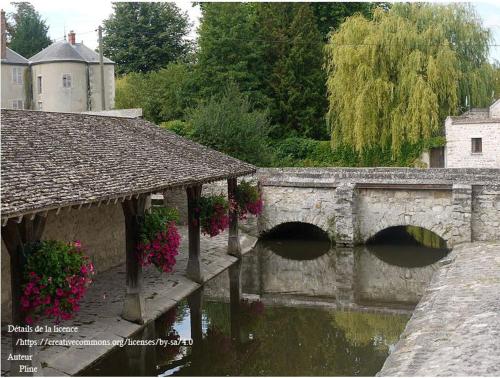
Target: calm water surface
[[302, 315]]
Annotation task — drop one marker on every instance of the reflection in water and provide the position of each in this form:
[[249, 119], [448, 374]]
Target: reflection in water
[[297, 241], [276, 341], [278, 336], [300, 249], [408, 246]]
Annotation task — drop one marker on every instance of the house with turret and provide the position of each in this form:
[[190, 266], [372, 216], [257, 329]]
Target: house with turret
[[63, 77], [66, 77]]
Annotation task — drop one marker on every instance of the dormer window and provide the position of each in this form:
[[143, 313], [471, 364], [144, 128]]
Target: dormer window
[[66, 80]]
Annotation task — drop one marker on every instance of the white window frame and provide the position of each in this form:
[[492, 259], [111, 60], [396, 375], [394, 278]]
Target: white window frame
[[17, 75], [65, 80], [17, 104], [39, 84]]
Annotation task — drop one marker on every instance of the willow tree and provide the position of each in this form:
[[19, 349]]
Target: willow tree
[[393, 79]]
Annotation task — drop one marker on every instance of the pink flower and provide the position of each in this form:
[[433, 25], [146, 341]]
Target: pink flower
[[59, 292], [25, 303]]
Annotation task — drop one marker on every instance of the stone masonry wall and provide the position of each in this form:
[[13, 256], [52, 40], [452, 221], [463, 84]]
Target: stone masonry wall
[[378, 209], [308, 205], [486, 212], [459, 146]]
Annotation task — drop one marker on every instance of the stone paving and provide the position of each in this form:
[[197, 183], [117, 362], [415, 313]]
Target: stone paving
[[455, 329], [99, 317]]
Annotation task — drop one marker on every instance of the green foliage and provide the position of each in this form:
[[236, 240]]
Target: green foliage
[[53, 261], [229, 51], [179, 127], [274, 52], [163, 95], [393, 80], [229, 125], [157, 220], [295, 80], [143, 37], [330, 16], [28, 32], [303, 152]]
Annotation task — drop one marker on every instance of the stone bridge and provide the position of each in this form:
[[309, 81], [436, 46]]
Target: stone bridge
[[352, 205]]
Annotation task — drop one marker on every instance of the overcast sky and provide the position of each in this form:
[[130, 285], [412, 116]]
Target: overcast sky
[[84, 16]]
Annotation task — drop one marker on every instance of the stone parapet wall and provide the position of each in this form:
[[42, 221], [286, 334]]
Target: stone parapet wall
[[331, 177]]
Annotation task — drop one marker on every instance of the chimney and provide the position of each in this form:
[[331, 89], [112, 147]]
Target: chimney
[[4, 36], [71, 37]]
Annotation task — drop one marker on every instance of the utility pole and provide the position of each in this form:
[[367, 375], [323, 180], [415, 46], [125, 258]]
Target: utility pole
[[101, 65]]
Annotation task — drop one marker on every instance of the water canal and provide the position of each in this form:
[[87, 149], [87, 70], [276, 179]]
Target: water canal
[[307, 308]]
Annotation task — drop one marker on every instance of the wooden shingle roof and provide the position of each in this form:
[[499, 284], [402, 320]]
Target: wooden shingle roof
[[52, 160]]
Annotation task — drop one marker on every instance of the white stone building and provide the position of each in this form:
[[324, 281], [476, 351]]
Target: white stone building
[[67, 78], [14, 68], [473, 139], [64, 77]]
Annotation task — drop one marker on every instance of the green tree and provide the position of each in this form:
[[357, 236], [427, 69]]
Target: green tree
[[393, 79], [28, 31], [229, 50], [142, 37], [230, 125], [330, 16], [294, 77], [163, 95]]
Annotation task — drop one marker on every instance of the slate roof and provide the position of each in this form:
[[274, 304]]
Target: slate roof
[[52, 160], [65, 51], [11, 57]]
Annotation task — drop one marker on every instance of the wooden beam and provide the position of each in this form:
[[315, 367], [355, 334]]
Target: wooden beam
[[133, 306], [233, 246], [194, 271]]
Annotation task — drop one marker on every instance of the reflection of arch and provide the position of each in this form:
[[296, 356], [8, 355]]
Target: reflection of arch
[[434, 227], [407, 247]]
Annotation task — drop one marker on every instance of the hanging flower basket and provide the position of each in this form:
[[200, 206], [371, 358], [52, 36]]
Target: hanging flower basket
[[213, 214], [247, 200], [56, 278], [160, 239]]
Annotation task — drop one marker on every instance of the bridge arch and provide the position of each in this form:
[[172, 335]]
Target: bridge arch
[[386, 224], [297, 230], [268, 225]]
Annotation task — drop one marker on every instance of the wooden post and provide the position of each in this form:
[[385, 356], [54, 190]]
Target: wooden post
[[17, 237], [133, 307], [235, 298], [233, 246], [194, 271]]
